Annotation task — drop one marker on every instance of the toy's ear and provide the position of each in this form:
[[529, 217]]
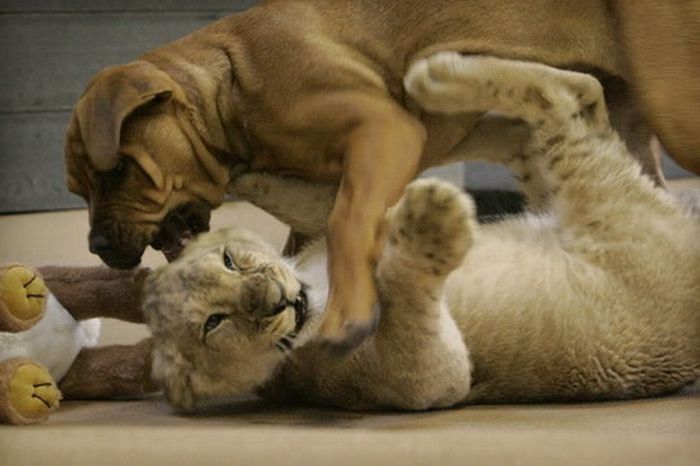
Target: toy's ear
[[23, 297], [109, 99]]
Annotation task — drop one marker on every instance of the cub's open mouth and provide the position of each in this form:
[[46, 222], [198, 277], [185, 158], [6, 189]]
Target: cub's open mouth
[[300, 305], [179, 227]]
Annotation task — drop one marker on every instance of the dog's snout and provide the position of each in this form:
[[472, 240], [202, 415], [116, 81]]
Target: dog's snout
[[111, 254], [99, 243]]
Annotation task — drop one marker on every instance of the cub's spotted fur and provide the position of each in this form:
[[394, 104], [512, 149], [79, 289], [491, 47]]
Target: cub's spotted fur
[[593, 295]]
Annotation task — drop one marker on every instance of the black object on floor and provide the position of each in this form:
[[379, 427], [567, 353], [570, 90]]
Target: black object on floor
[[493, 204]]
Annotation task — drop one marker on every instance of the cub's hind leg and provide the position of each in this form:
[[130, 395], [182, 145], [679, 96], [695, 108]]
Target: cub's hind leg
[[584, 164]]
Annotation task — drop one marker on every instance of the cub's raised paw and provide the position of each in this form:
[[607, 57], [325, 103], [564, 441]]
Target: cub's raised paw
[[22, 297], [433, 225], [438, 84], [31, 391]]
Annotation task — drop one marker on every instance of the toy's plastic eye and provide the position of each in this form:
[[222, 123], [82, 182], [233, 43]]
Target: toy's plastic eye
[[213, 321], [228, 261]]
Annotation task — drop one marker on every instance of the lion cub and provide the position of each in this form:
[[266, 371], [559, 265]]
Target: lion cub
[[597, 296]]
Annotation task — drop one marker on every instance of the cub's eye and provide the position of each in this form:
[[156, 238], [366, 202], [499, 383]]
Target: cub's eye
[[213, 321], [228, 261]]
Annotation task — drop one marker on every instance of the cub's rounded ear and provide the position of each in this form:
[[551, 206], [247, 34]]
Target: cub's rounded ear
[[170, 368], [111, 96]]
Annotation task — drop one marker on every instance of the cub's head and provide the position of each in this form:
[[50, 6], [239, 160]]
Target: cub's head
[[224, 315], [136, 151]]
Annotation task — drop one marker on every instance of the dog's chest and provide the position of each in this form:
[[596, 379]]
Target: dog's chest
[[320, 158]]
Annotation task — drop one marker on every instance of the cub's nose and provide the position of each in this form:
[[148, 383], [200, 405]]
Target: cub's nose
[[266, 297]]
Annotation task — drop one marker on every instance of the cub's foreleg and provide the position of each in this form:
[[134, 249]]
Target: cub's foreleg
[[418, 357]]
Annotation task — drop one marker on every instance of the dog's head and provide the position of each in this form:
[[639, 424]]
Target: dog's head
[[136, 153]]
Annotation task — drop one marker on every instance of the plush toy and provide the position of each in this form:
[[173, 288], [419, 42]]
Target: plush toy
[[48, 332]]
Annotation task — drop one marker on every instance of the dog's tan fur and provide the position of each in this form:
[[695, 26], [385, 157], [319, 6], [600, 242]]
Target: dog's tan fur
[[312, 88], [597, 297]]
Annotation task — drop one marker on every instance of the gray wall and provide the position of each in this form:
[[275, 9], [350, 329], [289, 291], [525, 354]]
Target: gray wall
[[49, 51]]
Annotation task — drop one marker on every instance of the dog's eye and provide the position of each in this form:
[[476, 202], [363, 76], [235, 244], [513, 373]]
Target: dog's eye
[[114, 176], [228, 261], [213, 321], [119, 168]]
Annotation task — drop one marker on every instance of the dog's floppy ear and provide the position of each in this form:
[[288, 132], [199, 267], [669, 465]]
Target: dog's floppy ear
[[109, 99]]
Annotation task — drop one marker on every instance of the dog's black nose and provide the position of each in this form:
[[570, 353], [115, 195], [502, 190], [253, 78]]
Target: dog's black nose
[[110, 252], [99, 243]]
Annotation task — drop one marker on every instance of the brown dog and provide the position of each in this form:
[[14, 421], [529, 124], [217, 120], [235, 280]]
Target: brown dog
[[311, 89]]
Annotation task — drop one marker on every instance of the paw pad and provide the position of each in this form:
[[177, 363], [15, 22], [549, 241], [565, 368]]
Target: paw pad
[[432, 223]]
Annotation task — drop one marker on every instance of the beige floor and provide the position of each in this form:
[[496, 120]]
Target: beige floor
[[663, 431]]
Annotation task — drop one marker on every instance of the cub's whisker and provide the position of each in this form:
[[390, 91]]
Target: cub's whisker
[[286, 342], [282, 348]]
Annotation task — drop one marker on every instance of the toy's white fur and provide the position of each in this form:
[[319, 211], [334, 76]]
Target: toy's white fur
[[595, 297], [54, 341]]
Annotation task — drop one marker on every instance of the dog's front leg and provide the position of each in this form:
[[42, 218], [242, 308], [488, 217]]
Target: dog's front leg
[[380, 157]]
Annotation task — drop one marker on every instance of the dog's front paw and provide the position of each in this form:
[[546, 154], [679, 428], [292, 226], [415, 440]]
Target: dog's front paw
[[432, 225], [351, 314]]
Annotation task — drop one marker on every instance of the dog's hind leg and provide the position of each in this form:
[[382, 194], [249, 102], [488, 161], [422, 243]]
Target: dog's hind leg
[[627, 118]]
